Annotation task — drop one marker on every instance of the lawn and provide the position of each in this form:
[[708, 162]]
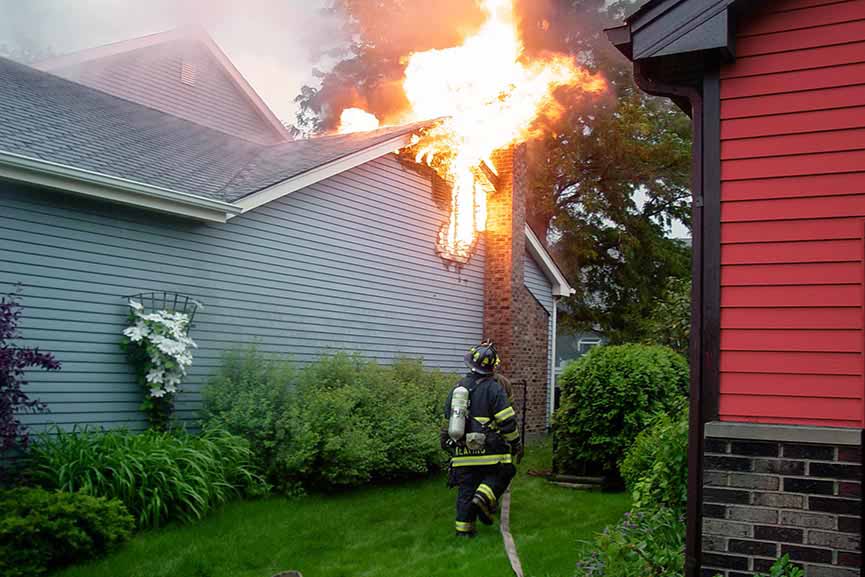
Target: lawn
[[398, 531]]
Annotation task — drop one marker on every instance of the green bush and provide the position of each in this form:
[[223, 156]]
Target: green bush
[[248, 397], [608, 397], [655, 468], [42, 530], [783, 567], [158, 476], [338, 422], [351, 421], [642, 544]]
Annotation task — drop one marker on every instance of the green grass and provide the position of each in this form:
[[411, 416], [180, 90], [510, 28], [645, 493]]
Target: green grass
[[399, 531]]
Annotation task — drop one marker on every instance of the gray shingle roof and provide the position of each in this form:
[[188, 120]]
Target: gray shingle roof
[[282, 161], [48, 118]]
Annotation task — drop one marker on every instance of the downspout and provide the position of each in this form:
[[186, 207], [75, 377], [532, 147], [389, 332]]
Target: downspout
[[693, 546], [552, 377]]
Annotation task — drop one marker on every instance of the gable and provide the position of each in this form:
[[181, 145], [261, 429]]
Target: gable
[[183, 74]]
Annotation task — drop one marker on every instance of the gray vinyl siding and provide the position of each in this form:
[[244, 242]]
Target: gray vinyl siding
[[542, 289], [538, 284], [151, 76], [347, 264]]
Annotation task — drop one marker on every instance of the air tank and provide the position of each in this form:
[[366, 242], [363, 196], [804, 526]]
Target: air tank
[[459, 413]]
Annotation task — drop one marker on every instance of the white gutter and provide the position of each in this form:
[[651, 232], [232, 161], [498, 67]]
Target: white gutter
[[113, 189], [319, 173]]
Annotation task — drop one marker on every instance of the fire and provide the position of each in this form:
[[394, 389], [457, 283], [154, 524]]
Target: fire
[[490, 98], [357, 120]]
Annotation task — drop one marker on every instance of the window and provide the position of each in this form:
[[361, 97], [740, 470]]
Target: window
[[585, 345]]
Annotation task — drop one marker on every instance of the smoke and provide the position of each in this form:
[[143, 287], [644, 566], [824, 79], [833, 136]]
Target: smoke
[[386, 32], [274, 43], [360, 46]]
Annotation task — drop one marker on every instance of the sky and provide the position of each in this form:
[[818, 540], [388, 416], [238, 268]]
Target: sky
[[274, 43]]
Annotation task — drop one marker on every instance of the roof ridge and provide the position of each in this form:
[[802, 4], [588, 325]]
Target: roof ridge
[[132, 102], [370, 139]]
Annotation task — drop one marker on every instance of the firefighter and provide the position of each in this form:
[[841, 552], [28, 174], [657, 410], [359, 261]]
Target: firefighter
[[482, 438]]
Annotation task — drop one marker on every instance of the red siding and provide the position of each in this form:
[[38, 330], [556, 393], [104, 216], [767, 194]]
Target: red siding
[[793, 216]]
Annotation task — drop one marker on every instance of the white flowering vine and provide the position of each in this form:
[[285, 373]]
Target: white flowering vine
[[160, 349]]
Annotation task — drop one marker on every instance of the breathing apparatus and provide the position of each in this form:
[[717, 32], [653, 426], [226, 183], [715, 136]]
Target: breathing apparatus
[[459, 413]]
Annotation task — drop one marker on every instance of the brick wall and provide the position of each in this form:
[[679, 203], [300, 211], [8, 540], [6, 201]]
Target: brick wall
[[513, 319], [529, 359], [766, 498]]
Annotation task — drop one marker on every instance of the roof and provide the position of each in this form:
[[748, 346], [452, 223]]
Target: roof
[[275, 164], [48, 119], [642, 9], [182, 72], [676, 27]]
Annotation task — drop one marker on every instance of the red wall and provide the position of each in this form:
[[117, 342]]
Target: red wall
[[793, 216]]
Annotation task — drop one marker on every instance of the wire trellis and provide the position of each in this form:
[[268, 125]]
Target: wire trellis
[[168, 301]]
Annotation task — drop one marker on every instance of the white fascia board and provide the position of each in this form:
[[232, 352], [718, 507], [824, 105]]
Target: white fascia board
[[322, 172], [113, 189], [561, 287]]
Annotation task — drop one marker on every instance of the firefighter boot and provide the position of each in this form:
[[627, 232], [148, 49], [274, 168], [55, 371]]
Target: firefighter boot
[[465, 529], [484, 501]]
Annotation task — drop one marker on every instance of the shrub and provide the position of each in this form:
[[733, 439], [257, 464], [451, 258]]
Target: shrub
[[655, 468], [248, 397], [351, 421], [783, 567], [14, 360], [42, 530], [157, 475], [642, 544], [608, 397]]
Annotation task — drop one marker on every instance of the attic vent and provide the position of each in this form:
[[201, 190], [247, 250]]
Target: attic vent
[[188, 73]]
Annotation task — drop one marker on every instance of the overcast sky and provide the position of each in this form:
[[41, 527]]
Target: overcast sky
[[272, 42]]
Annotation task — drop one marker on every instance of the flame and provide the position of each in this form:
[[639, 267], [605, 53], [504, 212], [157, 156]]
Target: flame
[[357, 120], [490, 97]]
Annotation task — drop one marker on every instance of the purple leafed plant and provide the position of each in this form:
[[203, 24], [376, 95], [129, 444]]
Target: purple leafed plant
[[14, 360]]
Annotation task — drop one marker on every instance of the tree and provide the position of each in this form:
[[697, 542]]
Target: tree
[[669, 323], [608, 184], [608, 178]]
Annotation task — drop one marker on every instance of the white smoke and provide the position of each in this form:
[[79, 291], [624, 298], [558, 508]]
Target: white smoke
[[274, 43]]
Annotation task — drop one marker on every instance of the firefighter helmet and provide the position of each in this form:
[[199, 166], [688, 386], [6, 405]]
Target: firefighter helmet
[[483, 358]]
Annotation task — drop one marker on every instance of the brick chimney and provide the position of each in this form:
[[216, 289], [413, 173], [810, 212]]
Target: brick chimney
[[514, 320]]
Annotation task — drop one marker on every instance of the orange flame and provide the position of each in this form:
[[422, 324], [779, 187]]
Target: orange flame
[[357, 120], [490, 98]]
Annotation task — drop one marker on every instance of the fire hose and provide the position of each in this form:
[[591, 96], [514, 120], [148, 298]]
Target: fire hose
[[505, 521], [505, 527]]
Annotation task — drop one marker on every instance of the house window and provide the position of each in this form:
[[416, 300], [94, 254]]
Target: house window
[[585, 345]]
